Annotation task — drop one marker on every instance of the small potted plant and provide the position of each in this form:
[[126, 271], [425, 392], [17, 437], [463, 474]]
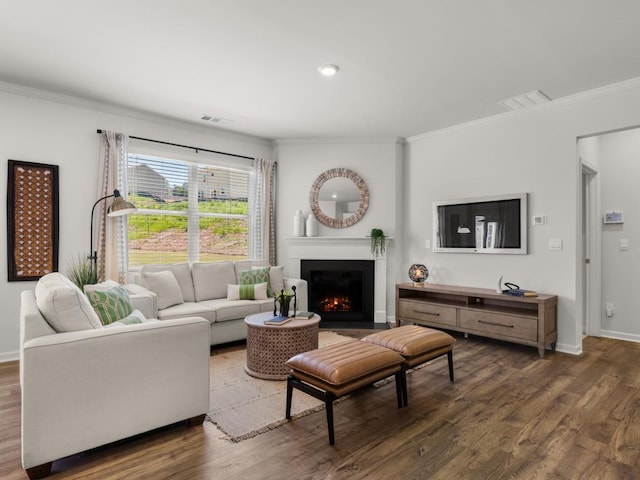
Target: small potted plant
[[283, 299], [82, 271], [378, 242]]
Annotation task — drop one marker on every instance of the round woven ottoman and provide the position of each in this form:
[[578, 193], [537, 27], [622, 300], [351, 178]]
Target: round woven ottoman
[[270, 346]]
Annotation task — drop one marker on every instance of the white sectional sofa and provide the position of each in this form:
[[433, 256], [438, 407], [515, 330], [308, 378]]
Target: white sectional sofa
[[203, 292], [85, 385]]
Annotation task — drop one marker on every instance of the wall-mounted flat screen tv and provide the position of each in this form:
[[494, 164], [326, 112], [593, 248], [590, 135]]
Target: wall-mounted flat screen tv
[[495, 224]]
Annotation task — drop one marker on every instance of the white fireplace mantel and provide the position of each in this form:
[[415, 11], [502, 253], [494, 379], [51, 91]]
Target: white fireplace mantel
[[341, 248], [324, 240]]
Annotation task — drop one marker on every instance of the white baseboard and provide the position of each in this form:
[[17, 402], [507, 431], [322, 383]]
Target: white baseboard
[[9, 356], [570, 349], [630, 337]]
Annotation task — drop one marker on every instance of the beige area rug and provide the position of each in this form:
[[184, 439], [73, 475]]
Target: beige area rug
[[244, 406]]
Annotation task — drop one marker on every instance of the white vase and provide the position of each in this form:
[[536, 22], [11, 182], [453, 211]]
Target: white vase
[[298, 224], [312, 226]]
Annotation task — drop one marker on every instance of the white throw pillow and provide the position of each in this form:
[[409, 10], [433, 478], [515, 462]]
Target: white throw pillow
[[165, 285], [276, 278], [134, 318], [256, 291], [181, 271], [63, 305]]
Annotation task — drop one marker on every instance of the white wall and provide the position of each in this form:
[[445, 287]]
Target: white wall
[[588, 151], [532, 150], [378, 162], [528, 151], [619, 156], [35, 128]]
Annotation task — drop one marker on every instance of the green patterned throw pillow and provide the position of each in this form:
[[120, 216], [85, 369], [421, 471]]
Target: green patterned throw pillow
[[255, 276], [111, 305]]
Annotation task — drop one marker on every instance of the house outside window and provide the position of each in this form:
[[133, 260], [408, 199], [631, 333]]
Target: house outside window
[[187, 212]]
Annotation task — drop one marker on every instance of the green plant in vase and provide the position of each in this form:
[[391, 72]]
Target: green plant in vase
[[378, 242], [283, 299], [82, 271]]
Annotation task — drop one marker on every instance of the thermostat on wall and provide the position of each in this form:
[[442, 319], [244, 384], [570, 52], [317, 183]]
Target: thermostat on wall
[[613, 217]]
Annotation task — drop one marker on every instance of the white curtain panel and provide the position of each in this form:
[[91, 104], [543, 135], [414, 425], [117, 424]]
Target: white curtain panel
[[110, 237], [262, 239]]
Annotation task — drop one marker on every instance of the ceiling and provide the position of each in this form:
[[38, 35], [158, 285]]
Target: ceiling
[[406, 66]]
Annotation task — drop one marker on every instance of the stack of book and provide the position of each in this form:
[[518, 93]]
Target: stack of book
[[280, 320]]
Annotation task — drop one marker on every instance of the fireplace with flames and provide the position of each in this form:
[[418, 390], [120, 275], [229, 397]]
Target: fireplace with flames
[[340, 291]]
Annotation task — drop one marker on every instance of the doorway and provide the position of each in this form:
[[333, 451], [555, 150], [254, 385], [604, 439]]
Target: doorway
[[590, 259]]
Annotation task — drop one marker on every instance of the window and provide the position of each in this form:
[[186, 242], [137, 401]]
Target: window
[[187, 212]]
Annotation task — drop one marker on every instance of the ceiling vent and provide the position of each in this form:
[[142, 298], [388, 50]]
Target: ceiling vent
[[216, 120], [525, 100]]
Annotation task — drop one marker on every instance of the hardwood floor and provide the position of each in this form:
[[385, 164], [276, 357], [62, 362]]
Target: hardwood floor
[[508, 415]]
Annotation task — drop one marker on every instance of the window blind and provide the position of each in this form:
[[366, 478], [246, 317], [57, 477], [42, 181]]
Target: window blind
[[186, 211]]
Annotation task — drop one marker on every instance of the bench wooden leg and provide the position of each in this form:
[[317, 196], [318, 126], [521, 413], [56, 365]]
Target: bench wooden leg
[[450, 359], [289, 395], [326, 397], [401, 388], [328, 406]]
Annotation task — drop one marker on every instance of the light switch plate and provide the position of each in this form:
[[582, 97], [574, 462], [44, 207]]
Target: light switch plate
[[555, 244], [539, 220]]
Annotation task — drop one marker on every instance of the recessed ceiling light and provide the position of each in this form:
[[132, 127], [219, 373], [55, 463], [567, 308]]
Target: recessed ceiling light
[[328, 70]]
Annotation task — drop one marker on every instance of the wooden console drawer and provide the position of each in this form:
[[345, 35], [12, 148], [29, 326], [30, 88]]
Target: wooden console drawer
[[427, 312], [500, 324], [480, 311]]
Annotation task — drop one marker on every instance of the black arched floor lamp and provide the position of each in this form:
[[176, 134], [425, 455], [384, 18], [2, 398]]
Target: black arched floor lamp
[[118, 208]]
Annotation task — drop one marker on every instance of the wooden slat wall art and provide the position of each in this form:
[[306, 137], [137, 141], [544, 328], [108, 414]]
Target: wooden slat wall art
[[32, 220]]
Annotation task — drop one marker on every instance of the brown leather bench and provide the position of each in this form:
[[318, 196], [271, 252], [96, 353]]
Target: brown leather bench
[[416, 344], [336, 370]]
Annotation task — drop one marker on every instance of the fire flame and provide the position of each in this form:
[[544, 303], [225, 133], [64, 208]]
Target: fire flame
[[336, 304]]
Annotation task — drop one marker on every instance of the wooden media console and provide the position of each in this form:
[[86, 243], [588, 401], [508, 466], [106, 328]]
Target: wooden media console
[[480, 311]]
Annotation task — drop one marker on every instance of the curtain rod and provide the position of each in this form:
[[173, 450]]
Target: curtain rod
[[187, 146]]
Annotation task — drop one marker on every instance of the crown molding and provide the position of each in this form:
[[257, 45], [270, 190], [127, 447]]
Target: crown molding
[[587, 95], [113, 109], [341, 141]]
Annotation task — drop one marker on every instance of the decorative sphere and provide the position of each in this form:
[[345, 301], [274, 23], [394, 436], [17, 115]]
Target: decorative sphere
[[418, 274]]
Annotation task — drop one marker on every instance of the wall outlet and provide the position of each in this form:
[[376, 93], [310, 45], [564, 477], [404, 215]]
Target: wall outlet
[[609, 309], [427, 244]]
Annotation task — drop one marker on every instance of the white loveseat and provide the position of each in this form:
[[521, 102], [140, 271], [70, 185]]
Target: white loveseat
[[204, 293], [89, 387]]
